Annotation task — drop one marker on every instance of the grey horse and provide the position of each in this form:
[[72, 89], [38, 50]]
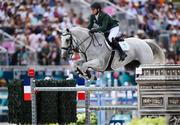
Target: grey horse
[[95, 53]]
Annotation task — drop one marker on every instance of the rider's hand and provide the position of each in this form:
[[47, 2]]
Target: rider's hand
[[93, 31]]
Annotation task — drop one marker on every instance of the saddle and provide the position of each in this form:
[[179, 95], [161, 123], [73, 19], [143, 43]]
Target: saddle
[[118, 38]]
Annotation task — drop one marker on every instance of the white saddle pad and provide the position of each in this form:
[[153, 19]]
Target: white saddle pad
[[124, 46]]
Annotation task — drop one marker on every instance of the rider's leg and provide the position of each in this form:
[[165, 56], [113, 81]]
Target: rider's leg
[[114, 33], [119, 37], [116, 45]]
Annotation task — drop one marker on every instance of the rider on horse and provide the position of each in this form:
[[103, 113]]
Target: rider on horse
[[102, 22]]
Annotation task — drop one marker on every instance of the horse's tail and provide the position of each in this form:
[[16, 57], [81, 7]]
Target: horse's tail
[[158, 54]]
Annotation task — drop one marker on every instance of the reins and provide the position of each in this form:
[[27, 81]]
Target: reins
[[76, 47]]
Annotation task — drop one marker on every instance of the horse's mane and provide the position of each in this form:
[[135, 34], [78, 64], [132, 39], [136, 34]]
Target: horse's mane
[[79, 29], [83, 32]]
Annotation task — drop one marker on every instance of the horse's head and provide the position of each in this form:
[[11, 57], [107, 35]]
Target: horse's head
[[77, 39], [67, 46]]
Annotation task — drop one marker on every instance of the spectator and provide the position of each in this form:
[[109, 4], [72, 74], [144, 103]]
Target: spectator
[[65, 24], [79, 20], [22, 56], [55, 56], [44, 55], [174, 37], [3, 82], [170, 58], [61, 9], [15, 57]]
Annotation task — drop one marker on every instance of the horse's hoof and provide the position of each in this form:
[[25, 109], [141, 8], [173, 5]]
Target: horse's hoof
[[80, 75], [79, 71], [88, 74], [86, 77], [94, 78]]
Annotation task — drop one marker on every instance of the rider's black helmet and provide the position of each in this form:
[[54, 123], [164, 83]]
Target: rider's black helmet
[[96, 5]]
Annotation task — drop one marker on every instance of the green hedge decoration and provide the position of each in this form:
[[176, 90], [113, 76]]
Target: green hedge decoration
[[52, 107], [149, 121]]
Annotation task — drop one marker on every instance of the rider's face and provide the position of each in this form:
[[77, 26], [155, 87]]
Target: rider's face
[[94, 11]]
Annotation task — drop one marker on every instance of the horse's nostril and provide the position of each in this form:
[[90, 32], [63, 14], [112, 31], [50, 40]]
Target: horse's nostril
[[64, 58], [63, 55]]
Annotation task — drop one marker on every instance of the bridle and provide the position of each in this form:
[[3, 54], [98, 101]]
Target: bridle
[[76, 48], [70, 47]]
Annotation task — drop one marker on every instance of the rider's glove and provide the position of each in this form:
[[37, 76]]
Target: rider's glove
[[93, 31]]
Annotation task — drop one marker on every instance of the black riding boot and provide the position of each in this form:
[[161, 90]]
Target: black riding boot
[[116, 45], [119, 38]]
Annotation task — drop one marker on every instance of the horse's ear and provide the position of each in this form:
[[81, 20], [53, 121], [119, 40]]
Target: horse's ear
[[59, 31], [67, 29]]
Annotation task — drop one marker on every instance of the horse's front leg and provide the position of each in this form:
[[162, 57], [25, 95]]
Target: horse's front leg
[[77, 63], [95, 64], [76, 66]]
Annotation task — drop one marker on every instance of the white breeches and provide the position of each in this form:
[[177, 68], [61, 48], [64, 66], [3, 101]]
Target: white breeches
[[113, 33]]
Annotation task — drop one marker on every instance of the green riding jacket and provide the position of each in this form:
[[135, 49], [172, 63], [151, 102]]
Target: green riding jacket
[[105, 22]]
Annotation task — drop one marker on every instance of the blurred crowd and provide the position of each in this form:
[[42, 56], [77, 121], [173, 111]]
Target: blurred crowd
[[34, 21]]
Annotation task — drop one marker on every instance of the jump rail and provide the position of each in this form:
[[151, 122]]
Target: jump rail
[[85, 88], [87, 101]]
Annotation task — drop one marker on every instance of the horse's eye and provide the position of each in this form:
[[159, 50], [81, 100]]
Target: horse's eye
[[67, 40]]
